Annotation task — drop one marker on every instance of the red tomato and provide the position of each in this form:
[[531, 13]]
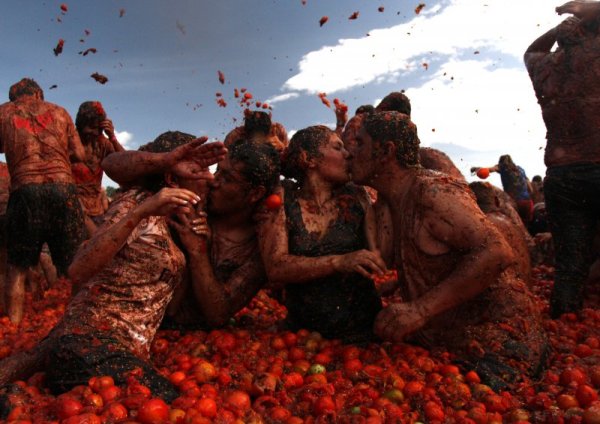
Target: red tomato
[[238, 400], [153, 411], [273, 202], [67, 406], [483, 173], [207, 407]]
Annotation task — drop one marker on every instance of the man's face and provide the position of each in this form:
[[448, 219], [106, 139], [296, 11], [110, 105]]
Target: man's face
[[91, 129], [362, 161], [229, 191]]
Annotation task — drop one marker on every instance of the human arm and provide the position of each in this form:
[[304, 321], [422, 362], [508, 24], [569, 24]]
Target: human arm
[[540, 47], [76, 149], [341, 116], [284, 268], [130, 166], [218, 300], [494, 168], [451, 225], [97, 252]]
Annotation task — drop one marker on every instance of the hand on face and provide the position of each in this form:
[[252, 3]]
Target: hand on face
[[169, 201], [107, 127], [204, 154]]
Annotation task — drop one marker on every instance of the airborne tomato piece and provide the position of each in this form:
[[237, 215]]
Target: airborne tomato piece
[[323, 20], [221, 77], [419, 8], [354, 16]]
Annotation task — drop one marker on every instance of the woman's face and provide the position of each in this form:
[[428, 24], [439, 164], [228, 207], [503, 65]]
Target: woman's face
[[332, 163]]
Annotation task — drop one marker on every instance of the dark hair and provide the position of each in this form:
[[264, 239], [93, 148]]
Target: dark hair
[[306, 140], [25, 87], [364, 109], [537, 179], [505, 162], [164, 143], [89, 113], [261, 163], [395, 101], [397, 128], [486, 196], [257, 122]]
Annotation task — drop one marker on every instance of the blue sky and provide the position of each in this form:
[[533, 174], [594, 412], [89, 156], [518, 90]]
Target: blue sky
[[460, 62]]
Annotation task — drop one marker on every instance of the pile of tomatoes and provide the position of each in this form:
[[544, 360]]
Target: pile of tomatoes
[[254, 371]]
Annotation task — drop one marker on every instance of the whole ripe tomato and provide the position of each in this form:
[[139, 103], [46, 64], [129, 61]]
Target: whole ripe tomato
[[153, 411], [273, 202], [483, 173]]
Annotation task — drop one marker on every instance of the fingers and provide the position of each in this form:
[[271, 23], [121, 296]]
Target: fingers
[[387, 326]]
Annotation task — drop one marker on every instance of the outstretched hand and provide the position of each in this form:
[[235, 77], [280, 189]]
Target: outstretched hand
[[169, 201], [397, 321]]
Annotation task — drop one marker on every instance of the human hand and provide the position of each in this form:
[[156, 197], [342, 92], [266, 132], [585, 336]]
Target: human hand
[[191, 170], [398, 320], [584, 10], [168, 201], [474, 169], [200, 152], [193, 228], [362, 261], [108, 128]]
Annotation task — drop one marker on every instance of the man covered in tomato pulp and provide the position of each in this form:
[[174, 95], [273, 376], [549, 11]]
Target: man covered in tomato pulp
[[566, 85], [459, 287], [39, 140]]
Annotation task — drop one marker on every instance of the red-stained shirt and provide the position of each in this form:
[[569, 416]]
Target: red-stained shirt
[[128, 298], [88, 177], [35, 135]]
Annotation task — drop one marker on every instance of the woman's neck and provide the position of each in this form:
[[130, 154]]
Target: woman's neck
[[316, 189]]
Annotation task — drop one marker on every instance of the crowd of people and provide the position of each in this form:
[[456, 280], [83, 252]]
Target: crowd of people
[[181, 247]]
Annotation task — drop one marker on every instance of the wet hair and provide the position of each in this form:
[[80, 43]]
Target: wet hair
[[486, 196], [164, 143], [365, 109], [505, 162], [89, 114], [537, 179], [397, 128], [395, 101], [261, 163], [257, 122], [25, 87], [307, 140]]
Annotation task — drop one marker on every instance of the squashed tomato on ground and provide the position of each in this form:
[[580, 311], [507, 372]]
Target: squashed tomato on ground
[[255, 371]]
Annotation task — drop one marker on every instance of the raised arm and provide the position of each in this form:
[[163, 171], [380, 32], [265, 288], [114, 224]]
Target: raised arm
[[284, 268], [217, 300], [108, 128], [453, 224], [93, 255], [128, 167]]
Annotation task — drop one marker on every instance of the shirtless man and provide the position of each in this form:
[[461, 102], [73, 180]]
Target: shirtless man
[[566, 85], [455, 269], [92, 125], [38, 137], [227, 258]]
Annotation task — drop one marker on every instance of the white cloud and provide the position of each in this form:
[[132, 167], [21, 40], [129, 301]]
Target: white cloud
[[460, 28], [281, 98], [124, 138], [483, 102]]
